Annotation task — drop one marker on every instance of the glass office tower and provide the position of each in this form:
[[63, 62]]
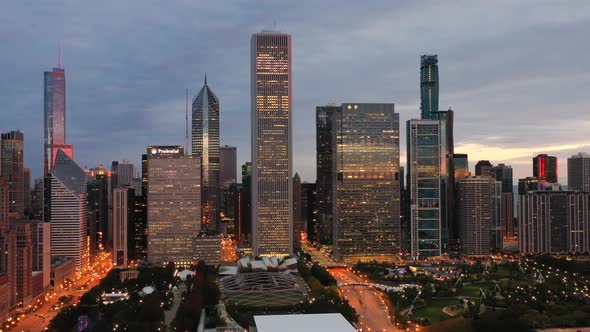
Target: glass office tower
[[428, 86], [205, 145], [55, 114], [272, 187], [424, 174], [366, 191]]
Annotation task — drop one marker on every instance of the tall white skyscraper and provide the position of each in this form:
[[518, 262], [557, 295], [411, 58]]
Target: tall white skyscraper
[[272, 188], [68, 210]]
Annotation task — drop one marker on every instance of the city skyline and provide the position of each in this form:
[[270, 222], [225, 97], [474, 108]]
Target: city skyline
[[108, 86]]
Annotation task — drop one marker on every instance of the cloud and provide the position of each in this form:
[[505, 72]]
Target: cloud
[[514, 72]]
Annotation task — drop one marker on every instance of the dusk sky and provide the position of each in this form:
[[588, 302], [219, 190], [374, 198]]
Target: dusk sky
[[514, 72]]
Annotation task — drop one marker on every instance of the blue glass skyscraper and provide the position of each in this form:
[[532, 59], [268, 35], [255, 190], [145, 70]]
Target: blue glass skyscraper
[[429, 86]]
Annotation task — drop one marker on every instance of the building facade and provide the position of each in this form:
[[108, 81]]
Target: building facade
[[324, 169], [272, 187], [68, 211], [54, 105], [123, 223], [554, 222], [545, 168], [205, 145], [461, 166], [424, 158], [228, 163], [12, 167], [297, 217], [365, 189], [578, 172], [173, 205], [484, 168]]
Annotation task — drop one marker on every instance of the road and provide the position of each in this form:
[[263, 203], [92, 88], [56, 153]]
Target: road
[[39, 320], [368, 303]]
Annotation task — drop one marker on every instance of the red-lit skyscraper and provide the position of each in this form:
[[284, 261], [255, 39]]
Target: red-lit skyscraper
[[545, 168], [55, 116]]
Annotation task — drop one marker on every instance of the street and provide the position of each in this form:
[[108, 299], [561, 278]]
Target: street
[[367, 301], [88, 278]]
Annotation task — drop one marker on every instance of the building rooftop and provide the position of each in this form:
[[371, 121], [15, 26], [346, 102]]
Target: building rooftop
[[307, 323]]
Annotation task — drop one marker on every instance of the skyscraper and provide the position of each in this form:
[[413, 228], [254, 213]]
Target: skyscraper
[[324, 170], [125, 172], [173, 205], [554, 222], [228, 166], [27, 191], [54, 105], [478, 199], [123, 211], [428, 86], [484, 168], [205, 145], [545, 168], [308, 209], [297, 226], [68, 203], [578, 172], [243, 207], [503, 173], [11, 166], [366, 192], [424, 175], [272, 187], [461, 166]]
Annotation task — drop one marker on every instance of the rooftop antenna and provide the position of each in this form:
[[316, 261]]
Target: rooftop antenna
[[205, 78], [186, 118], [59, 55], [275, 25]]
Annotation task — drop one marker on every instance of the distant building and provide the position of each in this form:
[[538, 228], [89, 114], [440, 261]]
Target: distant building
[[554, 222], [297, 217], [503, 173], [68, 210], [27, 191], [24, 264], [123, 223], [578, 172], [366, 191], [545, 168], [173, 205], [461, 166], [478, 212], [11, 166], [483, 168], [429, 87], [272, 187], [308, 209], [125, 172], [228, 166], [41, 242], [242, 207], [324, 170], [205, 146]]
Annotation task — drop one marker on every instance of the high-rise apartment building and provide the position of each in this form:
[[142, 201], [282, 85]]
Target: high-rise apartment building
[[424, 175], [123, 223], [228, 164], [41, 240], [545, 168], [429, 86], [24, 263], [272, 186], [578, 172], [503, 173], [68, 211], [554, 222], [27, 191], [173, 205], [11, 167], [54, 105], [461, 166], [324, 170], [484, 168], [478, 214], [205, 145], [243, 207], [366, 192]]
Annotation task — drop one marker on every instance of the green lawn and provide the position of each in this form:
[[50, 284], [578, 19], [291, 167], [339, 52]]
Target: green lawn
[[434, 311], [502, 272], [472, 290]]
